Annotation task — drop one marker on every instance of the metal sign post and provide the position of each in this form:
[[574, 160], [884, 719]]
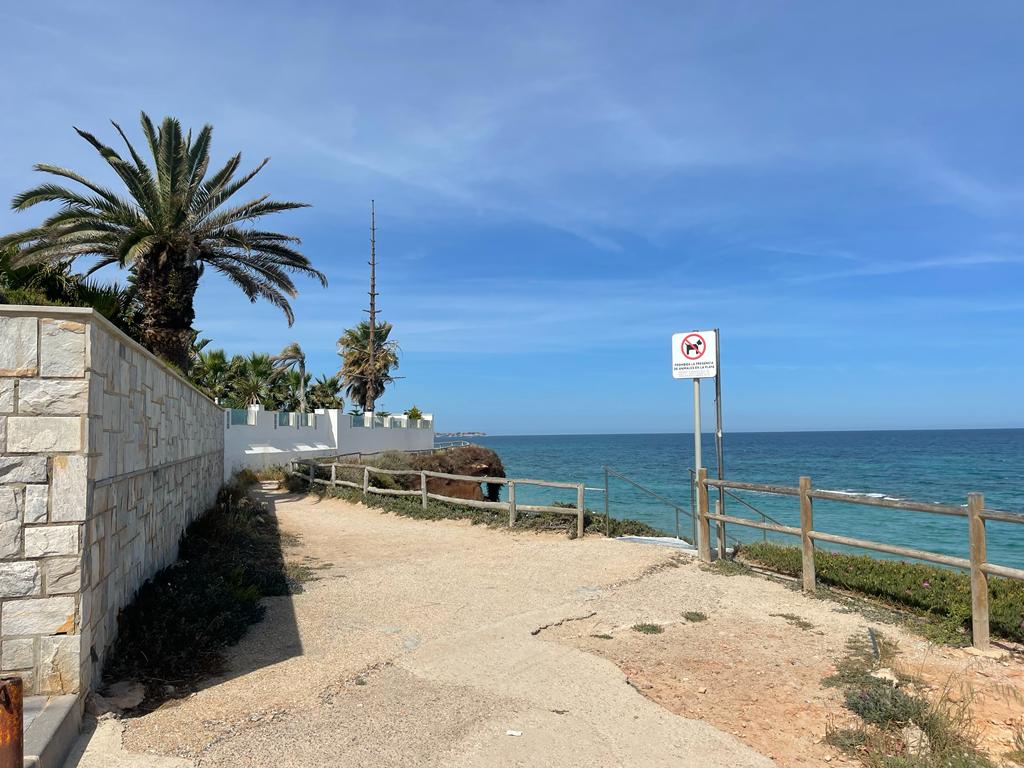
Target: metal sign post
[[695, 356]]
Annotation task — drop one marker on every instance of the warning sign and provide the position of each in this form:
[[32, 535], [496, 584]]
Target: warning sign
[[694, 355]]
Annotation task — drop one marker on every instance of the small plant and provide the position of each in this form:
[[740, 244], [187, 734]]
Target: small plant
[[648, 629], [726, 567], [1016, 755], [795, 620], [414, 413], [897, 728], [695, 616], [271, 473], [942, 595]]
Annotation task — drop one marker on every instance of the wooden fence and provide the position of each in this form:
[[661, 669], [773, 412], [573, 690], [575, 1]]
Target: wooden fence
[[975, 512], [511, 506]]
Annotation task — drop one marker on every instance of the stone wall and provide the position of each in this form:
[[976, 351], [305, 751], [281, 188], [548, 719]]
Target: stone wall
[[106, 455]]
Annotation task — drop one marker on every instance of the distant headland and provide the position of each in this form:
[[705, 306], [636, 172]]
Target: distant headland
[[460, 434]]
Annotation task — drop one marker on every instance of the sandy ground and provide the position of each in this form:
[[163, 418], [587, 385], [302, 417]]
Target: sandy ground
[[445, 644]]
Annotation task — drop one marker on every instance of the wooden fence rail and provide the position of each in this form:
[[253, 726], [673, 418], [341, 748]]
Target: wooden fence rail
[[511, 506], [975, 512]]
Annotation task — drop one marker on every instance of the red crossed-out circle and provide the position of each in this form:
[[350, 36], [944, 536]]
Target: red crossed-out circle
[[694, 346]]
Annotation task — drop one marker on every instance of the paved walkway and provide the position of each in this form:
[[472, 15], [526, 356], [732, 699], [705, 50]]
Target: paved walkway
[[421, 645]]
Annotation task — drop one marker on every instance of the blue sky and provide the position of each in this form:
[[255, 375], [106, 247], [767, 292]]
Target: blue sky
[[560, 186]]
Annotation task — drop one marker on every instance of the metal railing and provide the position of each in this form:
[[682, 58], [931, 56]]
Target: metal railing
[[976, 564], [511, 506], [446, 444], [365, 421], [239, 417], [765, 517], [609, 471]]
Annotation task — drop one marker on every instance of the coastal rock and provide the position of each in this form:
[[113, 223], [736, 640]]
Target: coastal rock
[[457, 489], [916, 740], [886, 674]]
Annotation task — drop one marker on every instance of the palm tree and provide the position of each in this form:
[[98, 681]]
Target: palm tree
[[365, 383], [293, 358], [55, 284], [213, 373], [252, 380], [326, 393], [173, 222]]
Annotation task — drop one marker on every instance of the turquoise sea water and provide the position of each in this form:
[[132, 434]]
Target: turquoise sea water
[[934, 466]]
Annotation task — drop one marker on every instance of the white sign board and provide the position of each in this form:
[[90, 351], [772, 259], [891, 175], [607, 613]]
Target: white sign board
[[694, 355]]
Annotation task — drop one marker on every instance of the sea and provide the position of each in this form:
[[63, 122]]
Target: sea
[[940, 466]]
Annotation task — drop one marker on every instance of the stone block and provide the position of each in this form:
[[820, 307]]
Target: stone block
[[44, 434], [69, 498], [22, 469], [18, 654], [36, 503], [6, 394], [12, 500], [59, 665], [62, 348], [63, 575], [50, 540], [10, 539], [19, 349], [38, 616], [3, 434], [53, 397], [19, 580]]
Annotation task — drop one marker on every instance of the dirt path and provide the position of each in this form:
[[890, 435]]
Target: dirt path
[[444, 644]]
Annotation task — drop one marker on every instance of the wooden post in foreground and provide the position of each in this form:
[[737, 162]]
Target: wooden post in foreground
[[423, 488], [579, 511], [366, 481], [511, 503], [312, 474], [12, 720], [806, 542], [720, 530], [334, 474], [703, 525], [979, 579]]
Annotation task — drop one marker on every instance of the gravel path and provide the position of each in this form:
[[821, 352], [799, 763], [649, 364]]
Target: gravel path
[[418, 645]]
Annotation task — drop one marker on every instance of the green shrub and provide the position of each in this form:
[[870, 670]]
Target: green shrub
[[884, 705], [180, 621], [648, 629], [938, 592]]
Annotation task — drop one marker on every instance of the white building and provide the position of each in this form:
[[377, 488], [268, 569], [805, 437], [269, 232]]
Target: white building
[[255, 438]]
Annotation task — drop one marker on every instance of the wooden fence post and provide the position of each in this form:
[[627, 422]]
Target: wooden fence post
[[366, 480], [720, 530], [334, 474], [423, 488], [703, 525], [806, 542], [312, 474], [579, 511], [511, 503], [979, 579]]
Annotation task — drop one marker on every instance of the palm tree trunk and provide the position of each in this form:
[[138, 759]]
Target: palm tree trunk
[[302, 386], [167, 287]]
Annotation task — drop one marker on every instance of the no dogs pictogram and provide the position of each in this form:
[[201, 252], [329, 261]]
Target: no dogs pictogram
[[694, 355], [693, 346]]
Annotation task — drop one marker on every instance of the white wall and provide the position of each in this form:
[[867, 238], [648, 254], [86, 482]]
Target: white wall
[[262, 442]]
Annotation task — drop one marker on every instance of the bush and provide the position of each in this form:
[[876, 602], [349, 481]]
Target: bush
[[181, 620], [938, 592]]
